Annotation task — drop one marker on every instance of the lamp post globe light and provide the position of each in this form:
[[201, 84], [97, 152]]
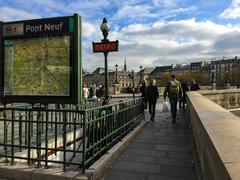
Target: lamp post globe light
[[116, 80], [105, 29]]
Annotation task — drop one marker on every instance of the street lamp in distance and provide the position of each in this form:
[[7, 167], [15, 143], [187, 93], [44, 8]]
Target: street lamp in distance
[[116, 80], [131, 76], [141, 68], [226, 78], [213, 71]]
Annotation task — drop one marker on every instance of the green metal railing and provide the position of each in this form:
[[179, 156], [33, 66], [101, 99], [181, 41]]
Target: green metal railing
[[106, 125], [66, 135]]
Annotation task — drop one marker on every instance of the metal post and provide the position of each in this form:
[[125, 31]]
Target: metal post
[[212, 79], [133, 84], [226, 78], [106, 75], [84, 143], [116, 80], [105, 28], [140, 75]]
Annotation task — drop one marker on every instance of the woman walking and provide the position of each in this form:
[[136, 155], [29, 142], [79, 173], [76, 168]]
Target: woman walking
[[152, 96]]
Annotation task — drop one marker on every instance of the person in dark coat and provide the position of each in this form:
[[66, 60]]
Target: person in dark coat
[[90, 91], [185, 88], [194, 86], [143, 93], [151, 96]]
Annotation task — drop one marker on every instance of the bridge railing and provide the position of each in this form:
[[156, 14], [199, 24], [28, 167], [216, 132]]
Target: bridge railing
[[64, 135], [106, 125]]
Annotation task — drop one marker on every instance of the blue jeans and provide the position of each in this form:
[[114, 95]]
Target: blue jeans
[[173, 103]]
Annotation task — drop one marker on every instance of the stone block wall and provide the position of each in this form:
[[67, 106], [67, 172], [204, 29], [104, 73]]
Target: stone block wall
[[216, 136], [228, 98]]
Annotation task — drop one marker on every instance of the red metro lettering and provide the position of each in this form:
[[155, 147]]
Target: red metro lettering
[[105, 47]]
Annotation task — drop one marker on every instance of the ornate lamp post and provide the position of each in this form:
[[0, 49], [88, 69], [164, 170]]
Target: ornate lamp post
[[226, 74], [141, 74], [105, 29], [213, 71], [131, 76], [116, 80], [105, 46]]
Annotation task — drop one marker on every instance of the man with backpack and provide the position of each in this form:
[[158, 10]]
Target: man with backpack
[[173, 90]]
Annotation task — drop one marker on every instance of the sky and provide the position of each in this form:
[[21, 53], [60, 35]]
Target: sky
[[150, 32]]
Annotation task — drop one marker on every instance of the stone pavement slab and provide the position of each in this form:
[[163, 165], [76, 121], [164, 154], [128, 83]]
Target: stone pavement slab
[[161, 151]]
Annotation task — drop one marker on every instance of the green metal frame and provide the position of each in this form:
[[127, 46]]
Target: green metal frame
[[31, 133], [75, 96]]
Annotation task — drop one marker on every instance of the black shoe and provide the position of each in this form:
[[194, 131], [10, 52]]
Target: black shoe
[[174, 121], [152, 118]]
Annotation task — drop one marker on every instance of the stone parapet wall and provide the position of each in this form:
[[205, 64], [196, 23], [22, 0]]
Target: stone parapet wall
[[216, 136], [228, 98], [161, 89]]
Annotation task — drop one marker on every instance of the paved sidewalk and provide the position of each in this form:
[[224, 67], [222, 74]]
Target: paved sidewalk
[[161, 151]]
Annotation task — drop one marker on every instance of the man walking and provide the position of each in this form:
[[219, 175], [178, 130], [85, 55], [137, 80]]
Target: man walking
[[185, 88], [152, 96], [143, 93], [174, 91]]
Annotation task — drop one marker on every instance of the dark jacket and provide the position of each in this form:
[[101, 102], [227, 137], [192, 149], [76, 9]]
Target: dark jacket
[[143, 90], [185, 88], [195, 87], [152, 93]]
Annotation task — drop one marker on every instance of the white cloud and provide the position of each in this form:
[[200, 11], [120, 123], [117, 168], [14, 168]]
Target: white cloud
[[164, 43], [232, 12], [11, 14], [134, 12], [44, 5], [88, 7], [88, 29], [166, 3], [145, 11], [168, 13]]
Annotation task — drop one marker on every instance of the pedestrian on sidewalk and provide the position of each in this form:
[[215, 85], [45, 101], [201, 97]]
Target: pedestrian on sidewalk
[[194, 86], [185, 88], [173, 90], [143, 93], [151, 96], [85, 92]]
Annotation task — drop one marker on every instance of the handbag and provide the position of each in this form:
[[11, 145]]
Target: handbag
[[165, 106]]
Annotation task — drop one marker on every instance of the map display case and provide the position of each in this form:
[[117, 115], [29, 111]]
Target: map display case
[[41, 60]]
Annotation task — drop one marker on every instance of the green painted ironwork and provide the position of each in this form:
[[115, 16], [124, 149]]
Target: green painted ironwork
[[39, 134]]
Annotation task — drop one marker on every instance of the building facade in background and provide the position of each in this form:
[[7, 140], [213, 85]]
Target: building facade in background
[[124, 79], [226, 71], [219, 72]]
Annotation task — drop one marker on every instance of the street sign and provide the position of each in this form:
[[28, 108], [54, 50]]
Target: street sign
[[39, 26], [110, 46]]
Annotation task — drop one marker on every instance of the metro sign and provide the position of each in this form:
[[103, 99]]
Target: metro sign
[[105, 46]]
